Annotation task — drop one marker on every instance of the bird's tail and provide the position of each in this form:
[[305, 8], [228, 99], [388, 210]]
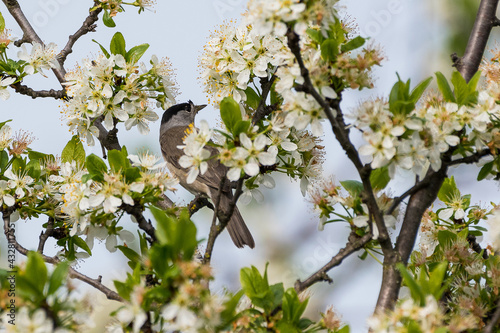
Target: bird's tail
[[238, 230]]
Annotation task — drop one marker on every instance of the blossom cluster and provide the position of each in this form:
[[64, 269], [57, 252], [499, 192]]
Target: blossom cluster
[[408, 313], [416, 141], [113, 7], [41, 57], [116, 90]]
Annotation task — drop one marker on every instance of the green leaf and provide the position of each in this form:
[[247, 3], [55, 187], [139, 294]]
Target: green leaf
[[165, 227], [38, 156], [4, 160], [315, 35], [185, 242], [417, 92], [354, 187], [81, 244], [415, 290], [445, 88], [36, 271], [353, 44], [4, 122], [230, 112], [253, 99], [33, 169], [446, 237], [117, 45], [58, 277], [241, 126], [329, 49], [73, 151], [96, 167], [379, 178], [436, 280], [2, 23], [448, 190], [485, 170], [132, 174], [461, 88], [129, 253], [229, 309], [18, 164], [136, 53], [116, 160], [345, 329], [255, 286], [108, 20], [103, 49]]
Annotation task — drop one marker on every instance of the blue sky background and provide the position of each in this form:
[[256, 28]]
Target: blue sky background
[[410, 33]]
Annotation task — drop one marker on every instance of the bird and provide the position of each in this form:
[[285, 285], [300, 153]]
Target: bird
[[176, 123]]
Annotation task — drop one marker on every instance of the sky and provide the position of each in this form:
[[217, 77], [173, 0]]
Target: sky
[[285, 227]]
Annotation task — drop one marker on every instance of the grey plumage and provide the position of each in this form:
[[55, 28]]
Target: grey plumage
[[175, 122]]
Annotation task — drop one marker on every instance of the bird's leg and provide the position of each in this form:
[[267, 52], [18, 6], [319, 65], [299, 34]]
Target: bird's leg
[[199, 201]]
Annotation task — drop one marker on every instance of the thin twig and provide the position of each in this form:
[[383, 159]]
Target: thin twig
[[355, 243], [145, 225], [25, 90], [263, 110], [474, 158], [96, 283], [87, 26], [397, 200], [224, 217], [342, 135], [45, 235]]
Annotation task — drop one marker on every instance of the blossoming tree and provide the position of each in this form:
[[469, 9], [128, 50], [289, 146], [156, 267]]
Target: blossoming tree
[[277, 80]]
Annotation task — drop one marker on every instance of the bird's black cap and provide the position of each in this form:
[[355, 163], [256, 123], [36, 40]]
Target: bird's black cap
[[171, 111]]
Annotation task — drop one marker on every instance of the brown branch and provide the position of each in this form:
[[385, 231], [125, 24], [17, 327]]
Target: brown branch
[[474, 158], [355, 243], [29, 34], [263, 110], [224, 217], [45, 235], [72, 273], [341, 133], [25, 90], [397, 200], [485, 21], [88, 26], [145, 225]]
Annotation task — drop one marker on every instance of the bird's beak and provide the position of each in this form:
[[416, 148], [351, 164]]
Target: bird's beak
[[197, 108]]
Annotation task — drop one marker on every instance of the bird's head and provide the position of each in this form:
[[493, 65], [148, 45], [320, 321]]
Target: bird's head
[[180, 114]]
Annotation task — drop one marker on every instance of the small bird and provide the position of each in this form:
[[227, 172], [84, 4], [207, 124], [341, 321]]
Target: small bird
[[175, 125]]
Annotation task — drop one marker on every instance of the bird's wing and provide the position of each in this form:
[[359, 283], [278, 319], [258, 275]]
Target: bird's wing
[[215, 172]]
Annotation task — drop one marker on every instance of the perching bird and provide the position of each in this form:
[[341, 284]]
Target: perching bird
[[174, 127]]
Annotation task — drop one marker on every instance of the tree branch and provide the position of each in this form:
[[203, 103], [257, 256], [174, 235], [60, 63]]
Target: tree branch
[[485, 20], [29, 34], [145, 225], [341, 132], [224, 217], [45, 235], [263, 110], [88, 26], [474, 158], [96, 283], [355, 243], [25, 90]]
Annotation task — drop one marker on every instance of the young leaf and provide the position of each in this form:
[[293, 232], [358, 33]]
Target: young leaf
[[117, 45], [445, 88], [315, 35], [58, 276], [73, 151], [135, 53], [2, 23], [448, 190], [103, 49], [485, 170], [81, 244], [417, 92], [329, 49], [230, 112], [379, 178], [353, 44], [461, 88], [354, 187], [253, 99], [416, 292], [116, 160], [36, 271], [96, 167], [108, 20]]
